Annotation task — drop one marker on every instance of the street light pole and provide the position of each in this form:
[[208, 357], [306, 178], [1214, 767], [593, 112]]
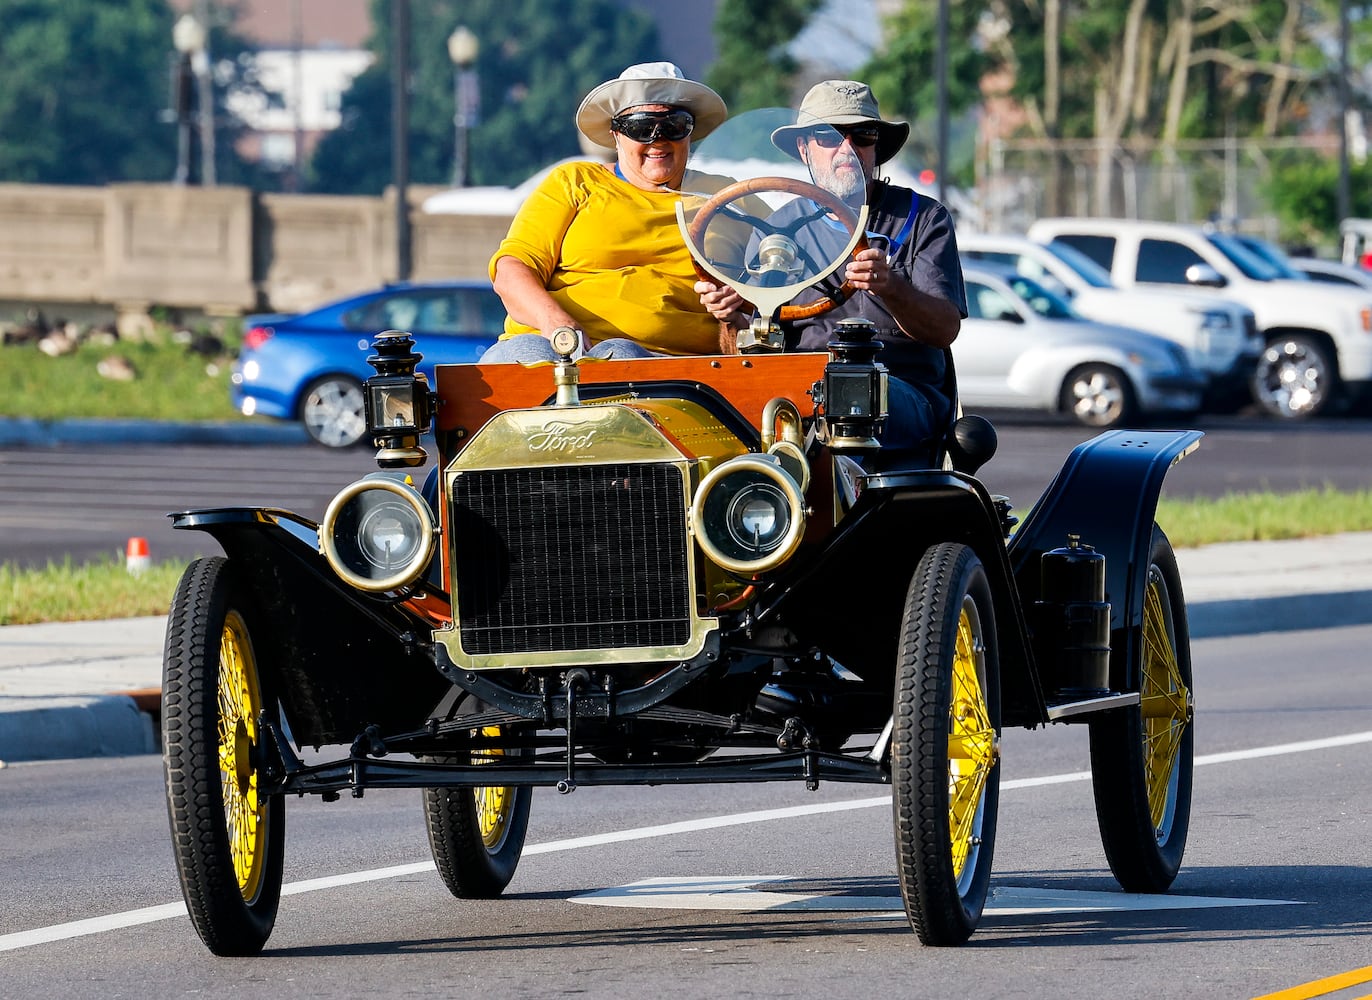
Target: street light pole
[[463, 48], [400, 134], [1345, 184], [188, 38]]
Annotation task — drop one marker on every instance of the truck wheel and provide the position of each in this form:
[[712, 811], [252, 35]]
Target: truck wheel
[[228, 833], [945, 754], [1294, 378], [1142, 756], [1099, 395], [332, 411], [477, 834]]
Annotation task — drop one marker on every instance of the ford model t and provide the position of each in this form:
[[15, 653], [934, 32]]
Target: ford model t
[[675, 570]]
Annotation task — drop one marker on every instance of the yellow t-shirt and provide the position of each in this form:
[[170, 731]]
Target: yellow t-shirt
[[613, 257]]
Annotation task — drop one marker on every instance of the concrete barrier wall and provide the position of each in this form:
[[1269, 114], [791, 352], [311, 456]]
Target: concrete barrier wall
[[222, 250]]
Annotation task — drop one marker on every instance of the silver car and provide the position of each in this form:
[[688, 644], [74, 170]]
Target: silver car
[[1023, 346]]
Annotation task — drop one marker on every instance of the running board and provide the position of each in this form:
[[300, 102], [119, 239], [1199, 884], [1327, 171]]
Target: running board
[[1067, 709]]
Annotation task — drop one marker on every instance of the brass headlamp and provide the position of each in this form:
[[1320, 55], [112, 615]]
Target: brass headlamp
[[854, 388], [397, 400]]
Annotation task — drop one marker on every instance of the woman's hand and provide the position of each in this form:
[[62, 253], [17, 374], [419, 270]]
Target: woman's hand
[[724, 303]]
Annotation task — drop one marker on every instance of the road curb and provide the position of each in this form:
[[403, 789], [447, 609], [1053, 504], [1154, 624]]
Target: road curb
[[110, 725], [28, 432]]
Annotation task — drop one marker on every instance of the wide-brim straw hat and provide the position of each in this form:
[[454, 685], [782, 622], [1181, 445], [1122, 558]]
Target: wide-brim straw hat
[[648, 83], [842, 102]]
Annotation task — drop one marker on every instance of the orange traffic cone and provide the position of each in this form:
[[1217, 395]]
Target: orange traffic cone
[[136, 555]]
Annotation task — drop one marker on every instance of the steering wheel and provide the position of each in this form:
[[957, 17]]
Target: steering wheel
[[728, 195]]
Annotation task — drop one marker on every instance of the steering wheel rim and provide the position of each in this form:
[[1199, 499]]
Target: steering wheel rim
[[790, 185]]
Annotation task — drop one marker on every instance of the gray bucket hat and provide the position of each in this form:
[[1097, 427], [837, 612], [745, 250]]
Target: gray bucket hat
[[842, 102], [648, 83]]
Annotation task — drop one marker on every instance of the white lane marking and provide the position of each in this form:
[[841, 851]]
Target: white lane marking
[[742, 893], [168, 911]]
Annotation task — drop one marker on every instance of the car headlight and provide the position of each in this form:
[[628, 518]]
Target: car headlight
[[378, 534], [749, 514]]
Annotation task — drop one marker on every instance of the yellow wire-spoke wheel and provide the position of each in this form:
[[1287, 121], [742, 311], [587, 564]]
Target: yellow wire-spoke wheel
[[240, 705], [228, 830], [1165, 702], [945, 776], [494, 803], [476, 834], [971, 740], [1142, 756]]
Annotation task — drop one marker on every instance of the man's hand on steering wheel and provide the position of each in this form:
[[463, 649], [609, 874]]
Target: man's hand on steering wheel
[[869, 270]]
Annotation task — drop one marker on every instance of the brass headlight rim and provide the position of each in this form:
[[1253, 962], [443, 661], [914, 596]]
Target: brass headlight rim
[[771, 468], [414, 568]]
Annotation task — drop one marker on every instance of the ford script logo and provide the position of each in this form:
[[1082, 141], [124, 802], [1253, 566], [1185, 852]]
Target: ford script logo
[[561, 436]]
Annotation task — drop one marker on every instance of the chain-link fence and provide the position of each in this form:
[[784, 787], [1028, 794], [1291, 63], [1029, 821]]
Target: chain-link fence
[[1021, 180]]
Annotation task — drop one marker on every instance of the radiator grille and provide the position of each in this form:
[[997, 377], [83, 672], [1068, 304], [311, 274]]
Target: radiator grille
[[570, 557]]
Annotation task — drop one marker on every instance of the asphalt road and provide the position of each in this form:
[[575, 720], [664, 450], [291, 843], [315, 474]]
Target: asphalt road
[[88, 501], [1273, 892]]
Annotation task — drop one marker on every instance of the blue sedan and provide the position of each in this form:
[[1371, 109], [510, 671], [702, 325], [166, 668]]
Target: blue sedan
[[310, 366]]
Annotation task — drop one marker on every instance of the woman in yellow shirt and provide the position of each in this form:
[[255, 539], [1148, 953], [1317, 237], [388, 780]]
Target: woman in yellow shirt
[[596, 246]]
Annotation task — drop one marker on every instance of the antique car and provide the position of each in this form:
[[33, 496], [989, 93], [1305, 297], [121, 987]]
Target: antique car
[[664, 571]]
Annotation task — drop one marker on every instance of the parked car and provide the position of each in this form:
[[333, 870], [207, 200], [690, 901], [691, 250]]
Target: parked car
[[310, 366], [1333, 272], [1219, 335], [1023, 346], [1318, 337]]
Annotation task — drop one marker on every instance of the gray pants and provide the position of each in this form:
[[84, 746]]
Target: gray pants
[[530, 347]]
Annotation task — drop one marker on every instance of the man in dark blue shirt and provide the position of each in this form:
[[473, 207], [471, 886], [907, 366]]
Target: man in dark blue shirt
[[909, 280]]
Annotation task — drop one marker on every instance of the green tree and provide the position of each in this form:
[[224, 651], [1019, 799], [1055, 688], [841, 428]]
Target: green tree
[[534, 66], [753, 69], [81, 89], [84, 89]]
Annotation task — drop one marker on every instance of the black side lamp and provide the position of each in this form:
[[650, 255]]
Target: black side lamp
[[397, 400], [855, 387]]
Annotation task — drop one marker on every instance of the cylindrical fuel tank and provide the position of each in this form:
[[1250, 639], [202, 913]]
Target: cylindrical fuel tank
[[1073, 620]]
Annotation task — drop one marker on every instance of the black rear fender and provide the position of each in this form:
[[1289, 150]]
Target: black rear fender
[[1107, 494]]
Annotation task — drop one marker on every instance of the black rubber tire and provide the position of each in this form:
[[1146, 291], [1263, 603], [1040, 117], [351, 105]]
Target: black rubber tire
[[950, 592], [1295, 378], [470, 867], [1144, 843], [232, 917], [333, 413], [1100, 396]]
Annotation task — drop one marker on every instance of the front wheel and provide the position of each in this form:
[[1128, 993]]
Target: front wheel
[[228, 833], [945, 755], [331, 409], [1099, 396], [476, 835], [1142, 757], [1294, 378]]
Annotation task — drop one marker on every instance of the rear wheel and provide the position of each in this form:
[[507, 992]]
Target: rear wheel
[[1294, 378], [945, 745], [228, 834], [332, 411], [1099, 395], [1142, 757], [477, 834]]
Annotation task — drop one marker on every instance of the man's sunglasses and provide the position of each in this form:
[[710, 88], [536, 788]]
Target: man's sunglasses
[[649, 126], [832, 137]]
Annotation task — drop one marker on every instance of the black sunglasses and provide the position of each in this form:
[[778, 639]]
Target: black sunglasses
[[832, 137], [649, 126]]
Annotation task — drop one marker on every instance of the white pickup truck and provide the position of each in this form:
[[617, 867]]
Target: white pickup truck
[[1219, 335], [1318, 337]]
